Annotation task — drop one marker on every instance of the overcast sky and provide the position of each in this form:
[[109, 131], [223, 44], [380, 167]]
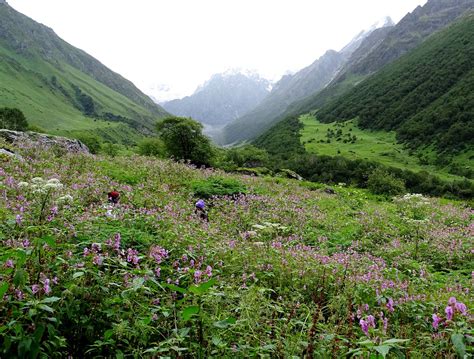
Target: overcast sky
[[167, 48]]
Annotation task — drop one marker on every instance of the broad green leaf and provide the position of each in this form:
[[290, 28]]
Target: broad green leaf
[[3, 289], [203, 288], [20, 278], [46, 308], [188, 312], [50, 241], [108, 334], [38, 334], [20, 256], [395, 341], [77, 275], [216, 341], [222, 324], [458, 343], [176, 288], [50, 300], [366, 342], [383, 349]]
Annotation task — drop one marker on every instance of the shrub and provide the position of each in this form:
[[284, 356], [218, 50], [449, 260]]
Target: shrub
[[110, 149], [92, 142], [13, 119], [35, 128], [217, 186], [384, 183], [248, 156], [152, 147]]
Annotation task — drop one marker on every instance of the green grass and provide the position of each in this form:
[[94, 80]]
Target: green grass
[[378, 146]]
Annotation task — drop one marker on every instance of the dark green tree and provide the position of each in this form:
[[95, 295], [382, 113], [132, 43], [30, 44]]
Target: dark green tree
[[13, 119], [384, 183], [248, 156], [183, 139]]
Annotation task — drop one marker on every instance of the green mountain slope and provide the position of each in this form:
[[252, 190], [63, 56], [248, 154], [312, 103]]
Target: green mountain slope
[[427, 96], [61, 88], [384, 46]]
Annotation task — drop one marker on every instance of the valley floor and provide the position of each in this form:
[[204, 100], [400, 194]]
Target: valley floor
[[348, 140]]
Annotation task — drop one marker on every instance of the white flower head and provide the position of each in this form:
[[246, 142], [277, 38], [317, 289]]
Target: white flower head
[[52, 185], [37, 180], [54, 181], [23, 184], [66, 199]]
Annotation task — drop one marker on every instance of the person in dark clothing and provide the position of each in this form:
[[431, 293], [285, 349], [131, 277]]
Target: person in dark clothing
[[201, 211]]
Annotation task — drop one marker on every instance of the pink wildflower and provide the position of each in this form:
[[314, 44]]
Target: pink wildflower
[[449, 312], [35, 288], [19, 294], [197, 276], [390, 305], [364, 326], [46, 287], [461, 308], [209, 271], [436, 321], [132, 256]]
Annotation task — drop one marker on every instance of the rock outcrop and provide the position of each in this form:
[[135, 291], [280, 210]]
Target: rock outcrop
[[40, 140]]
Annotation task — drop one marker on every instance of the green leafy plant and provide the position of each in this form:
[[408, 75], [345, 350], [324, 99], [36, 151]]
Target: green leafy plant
[[217, 186]]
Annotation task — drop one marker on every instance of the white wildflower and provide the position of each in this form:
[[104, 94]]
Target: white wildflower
[[37, 180], [65, 199]]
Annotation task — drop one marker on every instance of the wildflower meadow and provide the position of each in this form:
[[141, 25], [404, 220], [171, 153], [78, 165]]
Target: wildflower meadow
[[285, 269]]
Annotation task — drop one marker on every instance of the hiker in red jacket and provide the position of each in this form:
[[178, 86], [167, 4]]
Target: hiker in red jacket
[[113, 197]]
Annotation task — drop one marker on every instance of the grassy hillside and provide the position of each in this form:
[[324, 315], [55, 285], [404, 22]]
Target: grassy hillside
[[287, 270], [61, 88], [427, 95], [349, 140]]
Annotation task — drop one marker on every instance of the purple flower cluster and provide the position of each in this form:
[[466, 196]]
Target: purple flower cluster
[[454, 307], [158, 254]]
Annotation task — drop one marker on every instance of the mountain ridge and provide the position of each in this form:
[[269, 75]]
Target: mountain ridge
[[407, 34], [222, 98], [61, 87]]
